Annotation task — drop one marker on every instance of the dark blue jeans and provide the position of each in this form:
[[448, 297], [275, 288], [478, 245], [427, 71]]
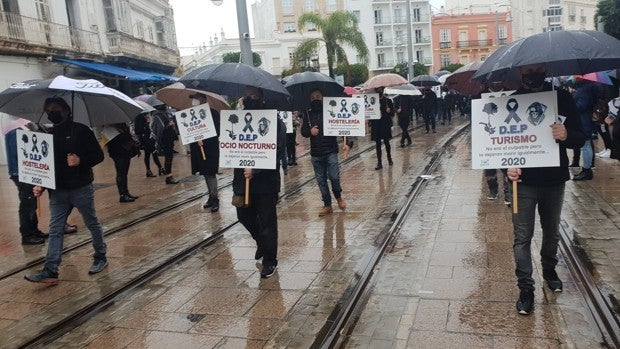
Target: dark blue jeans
[[326, 167], [549, 201]]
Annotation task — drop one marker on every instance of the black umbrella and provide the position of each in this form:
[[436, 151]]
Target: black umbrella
[[425, 81], [231, 79], [441, 73], [92, 103], [461, 80], [300, 85], [565, 52]]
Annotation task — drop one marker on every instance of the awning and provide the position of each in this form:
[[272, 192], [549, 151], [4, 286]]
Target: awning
[[129, 74]]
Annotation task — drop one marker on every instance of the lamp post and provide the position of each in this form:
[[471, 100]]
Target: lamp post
[[410, 72], [244, 31]]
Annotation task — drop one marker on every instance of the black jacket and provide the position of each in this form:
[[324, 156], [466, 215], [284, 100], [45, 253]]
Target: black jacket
[[211, 147], [76, 138], [320, 145], [548, 176], [382, 128]]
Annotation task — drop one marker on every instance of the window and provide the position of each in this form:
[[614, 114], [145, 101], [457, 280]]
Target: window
[[289, 27], [357, 14], [464, 59], [139, 30], [400, 38], [43, 10], [398, 16], [502, 32], [379, 37], [417, 34], [463, 35], [309, 7], [444, 35], [555, 11], [150, 30], [311, 27], [378, 19], [555, 19], [400, 57], [482, 37], [287, 6], [554, 2], [416, 17], [108, 12], [445, 60], [331, 5], [380, 60]]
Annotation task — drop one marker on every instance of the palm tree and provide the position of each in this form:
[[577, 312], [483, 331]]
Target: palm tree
[[339, 29]]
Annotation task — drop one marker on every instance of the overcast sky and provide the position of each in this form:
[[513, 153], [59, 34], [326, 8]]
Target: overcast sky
[[196, 20]]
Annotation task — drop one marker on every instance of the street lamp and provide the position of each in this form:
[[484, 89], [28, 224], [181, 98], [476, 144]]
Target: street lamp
[[244, 31]]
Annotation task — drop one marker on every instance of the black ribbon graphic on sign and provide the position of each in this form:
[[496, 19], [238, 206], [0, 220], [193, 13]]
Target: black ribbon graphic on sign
[[343, 104], [248, 123], [512, 107], [192, 112], [34, 149]]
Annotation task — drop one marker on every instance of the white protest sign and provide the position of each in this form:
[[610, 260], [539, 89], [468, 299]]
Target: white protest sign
[[343, 116], [248, 138], [496, 94], [195, 123], [35, 158], [513, 131], [371, 105], [287, 117]]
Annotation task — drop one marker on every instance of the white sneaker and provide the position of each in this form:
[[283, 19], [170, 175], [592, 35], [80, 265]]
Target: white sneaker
[[604, 154], [601, 152]]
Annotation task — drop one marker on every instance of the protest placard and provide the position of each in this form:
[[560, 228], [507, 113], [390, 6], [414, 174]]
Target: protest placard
[[514, 131], [35, 158], [195, 123], [371, 105], [252, 143], [343, 116]]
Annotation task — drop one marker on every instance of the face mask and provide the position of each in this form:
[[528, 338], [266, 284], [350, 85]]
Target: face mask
[[316, 105], [534, 80], [195, 102], [55, 117], [249, 103]]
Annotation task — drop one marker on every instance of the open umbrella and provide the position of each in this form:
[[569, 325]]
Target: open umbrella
[[145, 106], [405, 89], [93, 104], [441, 73], [600, 77], [383, 80], [11, 122], [425, 81], [177, 96], [300, 85], [350, 90], [564, 52], [461, 81], [231, 79]]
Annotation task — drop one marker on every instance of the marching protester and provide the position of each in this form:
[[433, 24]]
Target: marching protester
[[165, 133], [585, 96], [121, 148], [260, 216], [429, 109], [381, 129], [324, 153], [148, 143], [542, 187], [404, 109], [76, 152]]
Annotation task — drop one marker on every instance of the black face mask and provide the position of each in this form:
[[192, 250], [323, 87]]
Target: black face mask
[[249, 103], [533, 80], [316, 105], [55, 117]]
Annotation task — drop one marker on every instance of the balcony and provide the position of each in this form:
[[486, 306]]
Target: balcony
[[445, 44], [422, 40], [382, 43], [385, 64], [123, 44], [502, 41], [473, 43], [47, 36]]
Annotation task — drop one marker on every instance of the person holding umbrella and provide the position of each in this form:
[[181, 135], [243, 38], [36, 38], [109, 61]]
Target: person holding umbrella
[[324, 153], [208, 165], [260, 216], [542, 187], [76, 152], [381, 129]]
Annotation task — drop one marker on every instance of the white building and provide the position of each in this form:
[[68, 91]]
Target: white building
[[45, 38], [533, 16]]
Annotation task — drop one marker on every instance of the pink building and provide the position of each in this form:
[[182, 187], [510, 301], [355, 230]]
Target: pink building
[[467, 38]]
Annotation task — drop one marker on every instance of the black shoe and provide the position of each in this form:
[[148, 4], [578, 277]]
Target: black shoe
[[208, 203], [408, 143], [150, 174], [402, 145], [162, 171], [525, 304], [553, 281], [378, 167], [268, 270], [44, 277], [434, 131], [390, 162], [585, 174], [98, 266], [171, 180], [40, 234], [132, 196], [33, 240], [126, 198], [426, 131], [215, 205]]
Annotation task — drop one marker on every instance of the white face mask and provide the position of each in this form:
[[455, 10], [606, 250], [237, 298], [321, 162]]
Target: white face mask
[[195, 102]]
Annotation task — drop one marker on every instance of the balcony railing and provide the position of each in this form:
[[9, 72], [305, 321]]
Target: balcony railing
[[445, 44], [385, 20], [121, 43], [384, 42], [422, 39], [18, 28], [473, 43], [502, 41]]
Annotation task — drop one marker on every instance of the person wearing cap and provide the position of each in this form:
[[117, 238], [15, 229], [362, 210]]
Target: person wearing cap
[[208, 165]]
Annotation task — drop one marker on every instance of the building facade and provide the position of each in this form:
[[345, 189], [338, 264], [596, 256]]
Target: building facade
[[530, 17], [125, 44], [465, 38]]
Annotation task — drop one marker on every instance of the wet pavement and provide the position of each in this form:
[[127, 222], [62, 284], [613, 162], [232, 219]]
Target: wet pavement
[[448, 281]]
